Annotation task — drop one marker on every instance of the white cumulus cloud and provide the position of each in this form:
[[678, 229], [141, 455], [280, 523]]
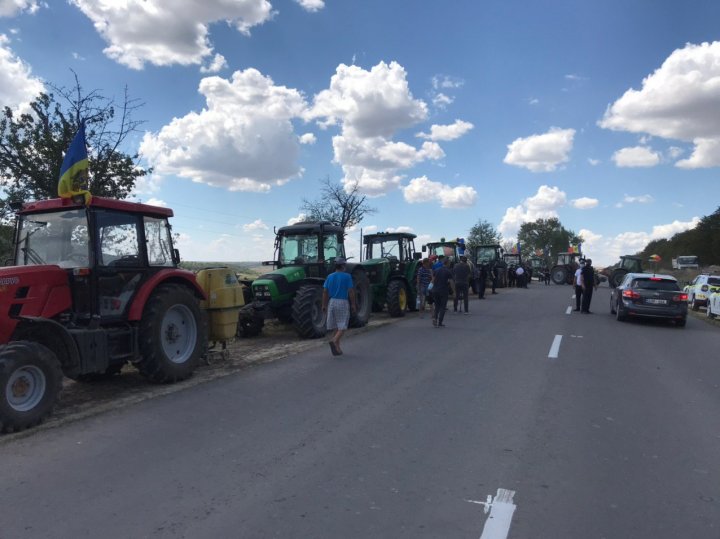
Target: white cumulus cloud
[[632, 199], [257, 224], [243, 140], [164, 33], [218, 64], [307, 138], [424, 190], [680, 100], [584, 203], [299, 218], [447, 132], [311, 5], [541, 153], [18, 87], [636, 156], [10, 8], [371, 107], [543, 205]]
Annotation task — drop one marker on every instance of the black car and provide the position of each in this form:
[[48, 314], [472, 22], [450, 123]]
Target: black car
[[649, 295]]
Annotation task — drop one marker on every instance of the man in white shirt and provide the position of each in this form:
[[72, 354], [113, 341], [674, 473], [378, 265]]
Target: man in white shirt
[[578, 287]]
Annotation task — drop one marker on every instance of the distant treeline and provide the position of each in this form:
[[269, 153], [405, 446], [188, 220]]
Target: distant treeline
[[702, 241]]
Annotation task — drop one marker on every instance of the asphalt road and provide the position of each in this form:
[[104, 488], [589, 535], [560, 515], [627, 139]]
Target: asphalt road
[[616, 437]]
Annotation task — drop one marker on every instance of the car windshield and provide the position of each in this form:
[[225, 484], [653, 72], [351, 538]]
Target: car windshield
[[655, 284], [714, 281], [687, 260], [59, 238]]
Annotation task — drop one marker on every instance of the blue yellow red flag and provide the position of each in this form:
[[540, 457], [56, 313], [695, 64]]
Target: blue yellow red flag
[[74, 170]]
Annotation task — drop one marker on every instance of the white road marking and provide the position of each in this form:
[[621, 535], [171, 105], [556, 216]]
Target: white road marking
[[555, 348], [569, 310], [572, 297], [497, 525]]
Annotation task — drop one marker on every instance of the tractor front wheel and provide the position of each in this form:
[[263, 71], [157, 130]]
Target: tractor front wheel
[[397, 298], [308, 316], [173, 335], [30, 381]]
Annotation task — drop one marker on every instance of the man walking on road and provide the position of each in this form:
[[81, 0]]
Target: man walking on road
[[441, 290], [589, 283], [338, 302], [461, 276], [578, 287]]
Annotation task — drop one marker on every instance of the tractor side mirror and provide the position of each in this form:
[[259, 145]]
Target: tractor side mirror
[[424, 248], [176, 256], [417, 256]]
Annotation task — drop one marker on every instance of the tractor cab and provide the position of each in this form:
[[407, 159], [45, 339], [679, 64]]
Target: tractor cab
[[492, 256], [633, 264], [311, 245], [453, 249], [512, 259], [107, 249]]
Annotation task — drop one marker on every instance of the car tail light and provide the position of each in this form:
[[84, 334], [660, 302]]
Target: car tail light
[[704, 288], [680, 297], [630, 294]]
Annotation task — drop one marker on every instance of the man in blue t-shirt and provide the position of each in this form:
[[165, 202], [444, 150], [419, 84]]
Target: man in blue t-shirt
[[338, 303]]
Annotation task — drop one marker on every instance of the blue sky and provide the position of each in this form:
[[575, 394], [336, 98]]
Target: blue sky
[[603, 114]]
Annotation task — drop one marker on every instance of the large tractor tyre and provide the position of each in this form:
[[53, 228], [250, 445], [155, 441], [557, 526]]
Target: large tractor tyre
[[30, 381], [559, 274], [308, 316], [173, 335], [616, 277], [397, 298], [363, 300]]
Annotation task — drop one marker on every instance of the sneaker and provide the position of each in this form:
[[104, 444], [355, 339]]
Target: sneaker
[[441, 325], [435, 322], [466, 312]]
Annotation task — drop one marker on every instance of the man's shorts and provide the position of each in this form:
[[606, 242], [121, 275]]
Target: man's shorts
[[338, 314]]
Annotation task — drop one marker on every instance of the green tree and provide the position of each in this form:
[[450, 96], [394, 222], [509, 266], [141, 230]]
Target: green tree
[[548, 235], [6, 243], [338, 205], [33, 144], [482, 233]]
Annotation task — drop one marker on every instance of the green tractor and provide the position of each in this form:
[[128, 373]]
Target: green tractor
[[304, 255], [392, 264], [536, 267], [616, 272], [492, 256]]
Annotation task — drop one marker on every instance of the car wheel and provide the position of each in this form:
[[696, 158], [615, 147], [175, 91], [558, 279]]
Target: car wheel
[[708, 311], [694, 305], [620, 316], [681, 323]]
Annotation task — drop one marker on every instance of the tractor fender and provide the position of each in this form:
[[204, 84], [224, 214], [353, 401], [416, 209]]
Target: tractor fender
[[53, 336], [175, 276]]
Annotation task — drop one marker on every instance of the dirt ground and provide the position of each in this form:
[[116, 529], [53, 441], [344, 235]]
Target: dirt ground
[[277, 341]]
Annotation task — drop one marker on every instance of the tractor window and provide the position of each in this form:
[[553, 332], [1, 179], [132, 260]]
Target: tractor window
[[298, 249], [118, 239], [330, 248], [54, 238], [157, 240]]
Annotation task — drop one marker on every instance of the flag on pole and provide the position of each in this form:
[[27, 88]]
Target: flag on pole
[[74, 170]]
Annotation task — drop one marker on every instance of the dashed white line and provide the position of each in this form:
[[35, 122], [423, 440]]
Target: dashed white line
[[497, 525], [555, 348], [569, 310]]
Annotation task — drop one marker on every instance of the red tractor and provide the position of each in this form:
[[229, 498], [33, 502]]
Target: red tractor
[[92, 288]]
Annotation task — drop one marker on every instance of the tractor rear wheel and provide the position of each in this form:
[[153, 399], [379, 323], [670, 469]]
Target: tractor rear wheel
[[397, 299], [363, 300], [308, 316], [30, 381], [559, 274], [173, 335]]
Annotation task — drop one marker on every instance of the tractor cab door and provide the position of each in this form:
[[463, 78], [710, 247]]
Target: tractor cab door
[[121, 261], [332, 248]]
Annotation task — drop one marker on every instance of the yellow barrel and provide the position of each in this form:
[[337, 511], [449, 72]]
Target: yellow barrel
[[225, 297]]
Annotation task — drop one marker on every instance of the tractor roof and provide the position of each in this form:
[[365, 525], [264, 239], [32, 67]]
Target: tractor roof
[[311, 227], [96, 202], [632, 257], [387, 236]]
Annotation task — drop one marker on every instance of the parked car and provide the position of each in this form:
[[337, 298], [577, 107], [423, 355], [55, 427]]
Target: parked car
[[649, 295], [699, 290], [713, 305]]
